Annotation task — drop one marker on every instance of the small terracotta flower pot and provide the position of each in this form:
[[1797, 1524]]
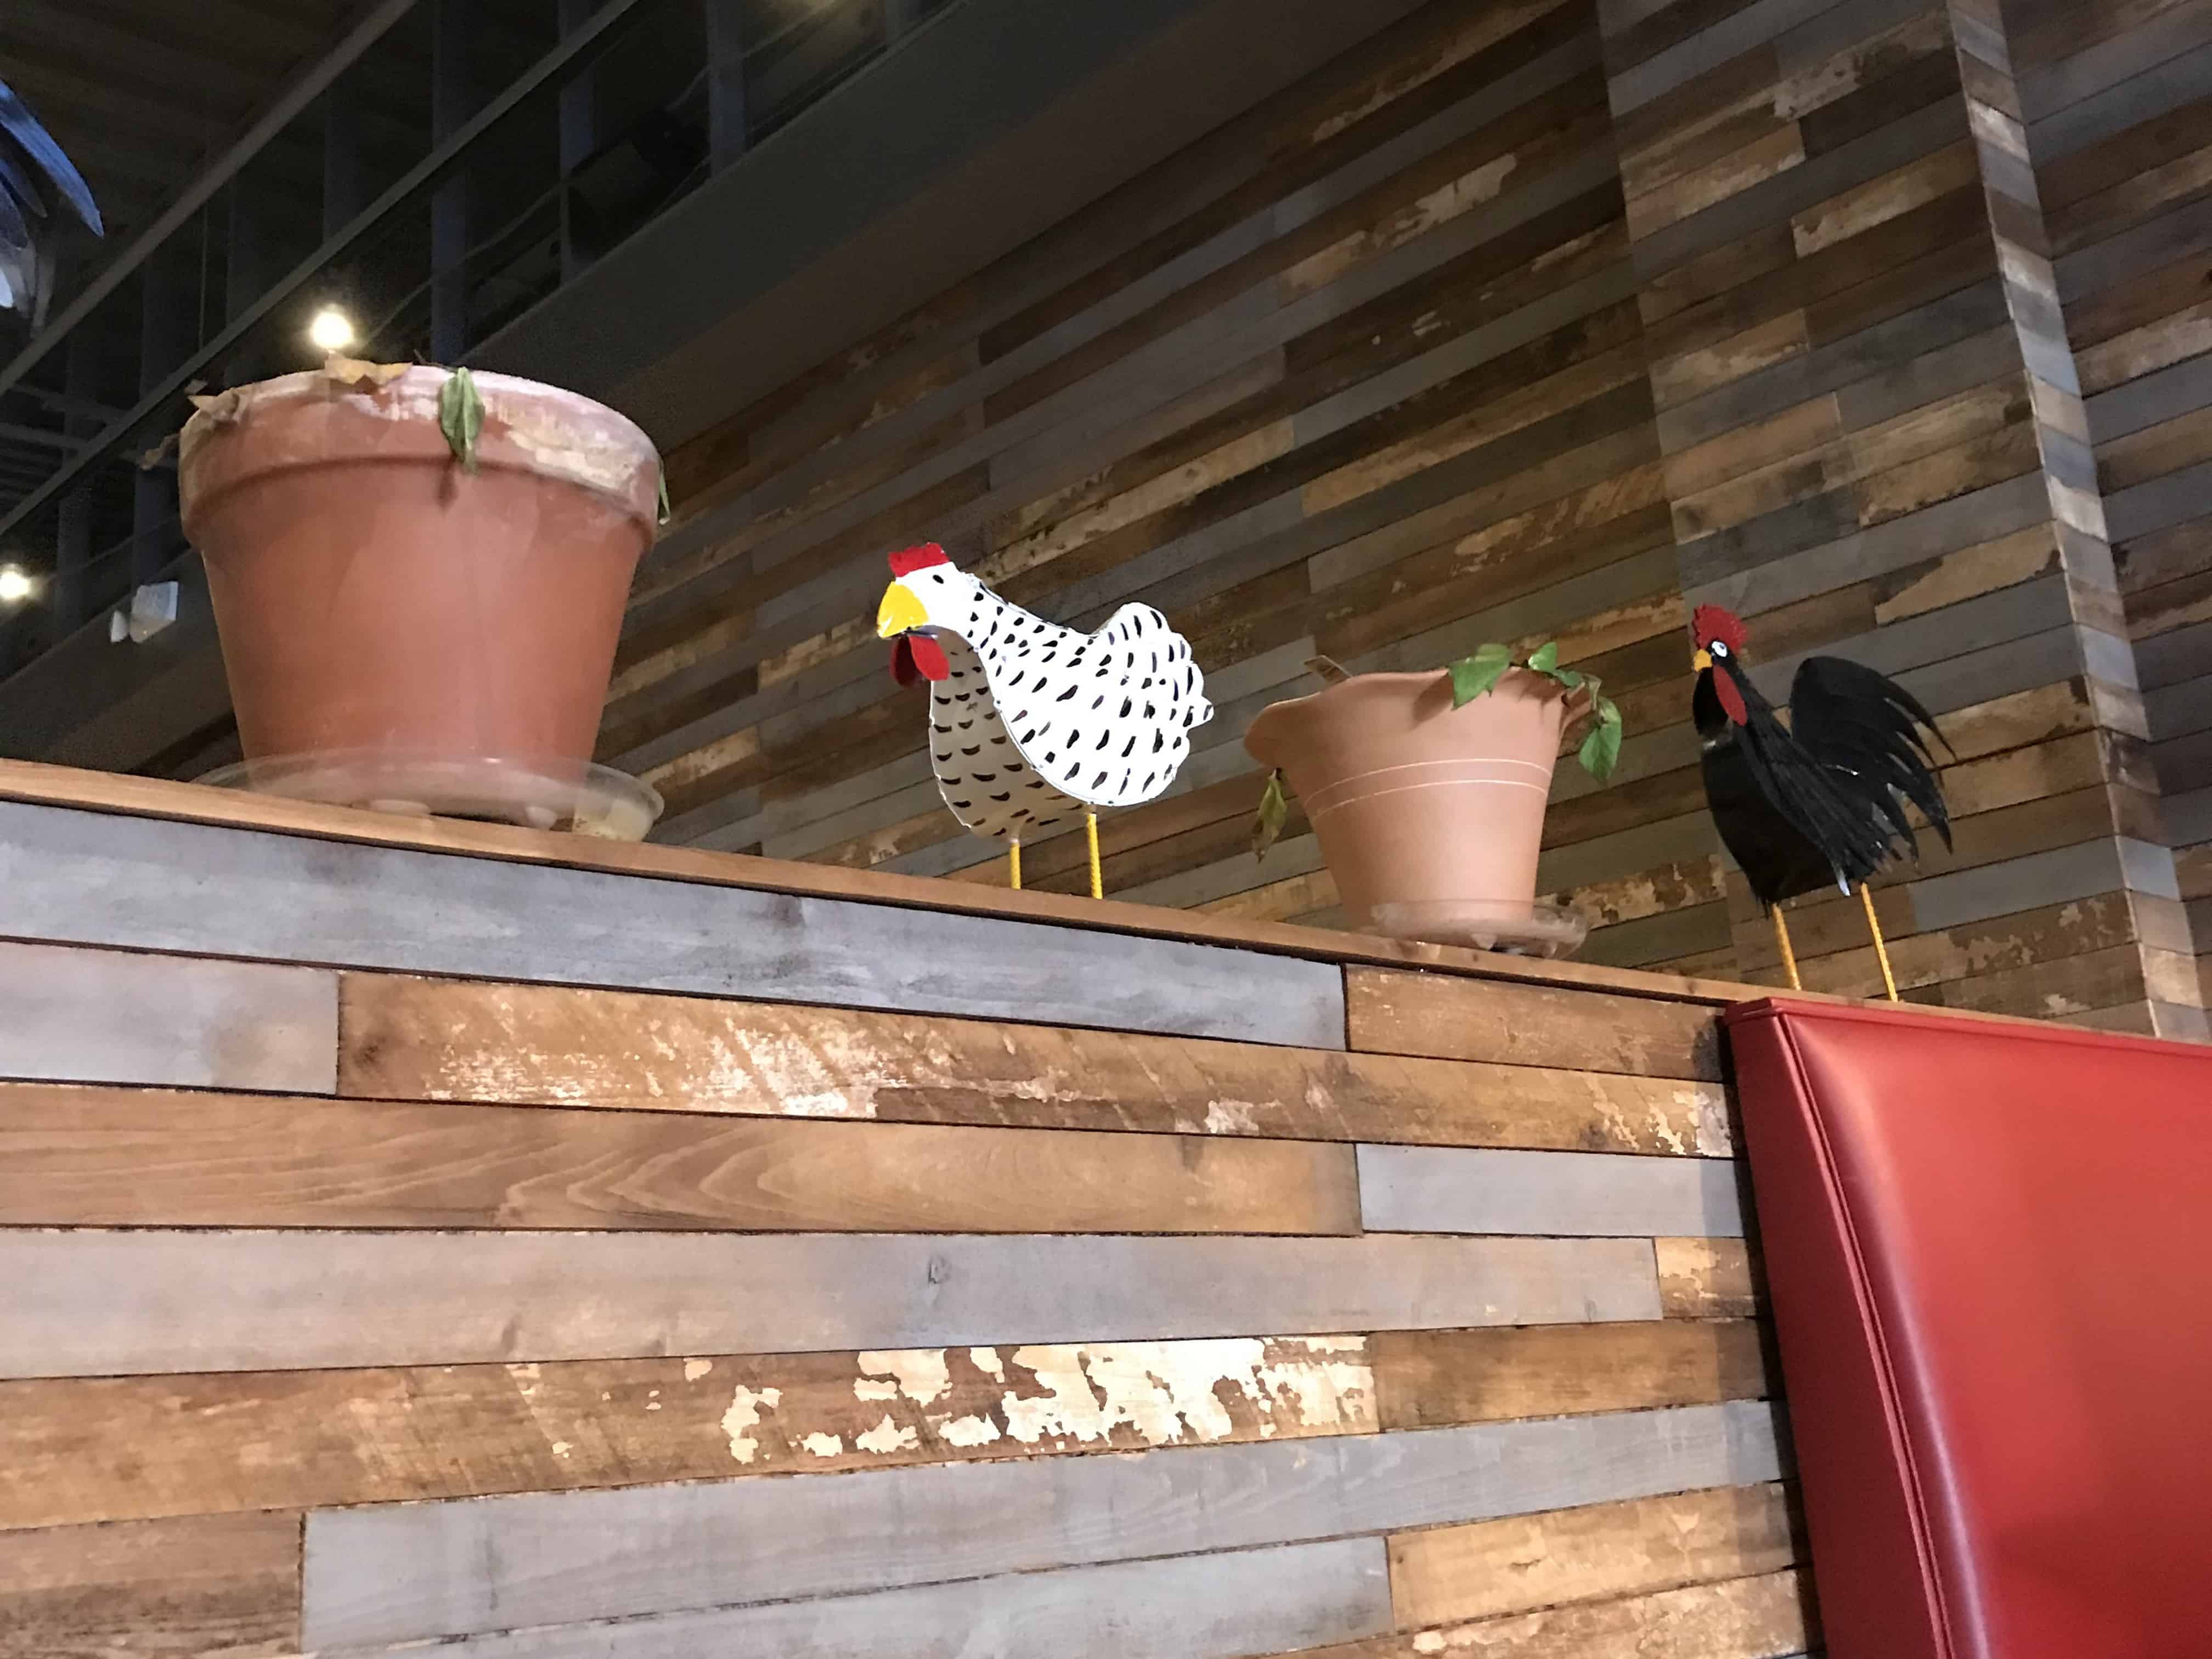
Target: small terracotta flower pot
[[374, 599], [1431, 816]]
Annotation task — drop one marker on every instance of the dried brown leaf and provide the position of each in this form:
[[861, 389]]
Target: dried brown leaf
[[359, 371]]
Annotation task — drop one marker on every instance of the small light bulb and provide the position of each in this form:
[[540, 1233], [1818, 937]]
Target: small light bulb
[[15, 584], [331, 330]]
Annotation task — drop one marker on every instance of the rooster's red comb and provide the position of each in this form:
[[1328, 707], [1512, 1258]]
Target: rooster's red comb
[[908, 560], [1708, 623]]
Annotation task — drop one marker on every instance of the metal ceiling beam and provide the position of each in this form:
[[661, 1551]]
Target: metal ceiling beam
[[11, 432], [425, 172], [303, 92]]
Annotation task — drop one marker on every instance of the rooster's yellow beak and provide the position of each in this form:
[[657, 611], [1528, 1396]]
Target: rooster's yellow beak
[[1701, 661], [899, 611]]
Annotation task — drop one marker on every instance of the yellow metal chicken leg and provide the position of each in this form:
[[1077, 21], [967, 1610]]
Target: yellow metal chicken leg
[[1788, 955], [1090, 830], [1881, 950], [1014, 860]]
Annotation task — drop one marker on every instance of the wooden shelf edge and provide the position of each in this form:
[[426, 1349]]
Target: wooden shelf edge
[[36, 783]]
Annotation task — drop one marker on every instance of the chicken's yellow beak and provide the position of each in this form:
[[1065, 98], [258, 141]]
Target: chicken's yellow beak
[[1701, 660], [899, 611]]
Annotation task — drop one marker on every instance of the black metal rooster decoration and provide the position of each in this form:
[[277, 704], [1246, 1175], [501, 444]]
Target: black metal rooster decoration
[[36, 182], [1824, 799]]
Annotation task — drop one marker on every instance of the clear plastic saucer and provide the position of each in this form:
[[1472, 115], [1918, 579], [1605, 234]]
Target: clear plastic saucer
[[1521, 930], [575, 796]]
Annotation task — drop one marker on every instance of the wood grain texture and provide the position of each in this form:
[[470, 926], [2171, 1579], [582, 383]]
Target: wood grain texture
[[1414, 272], [1199, 1607], [1709, 1279], [110, 1449], [1769, 1617], [2121, 172], [1526, 320], [412, 1039], [1443, 1575], [218, 1584], [399, 1572], [1406, 1013], [162, 801], [1866, 390], [107, 879], [1427, 1379], [1452, 1189], [112, 1016], [93, 1157], [96, 1303]]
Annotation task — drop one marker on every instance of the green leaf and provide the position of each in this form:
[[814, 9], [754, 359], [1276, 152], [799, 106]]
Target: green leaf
[[461, 416], [1545, 658], [1606, 708], [1600, 749], [1570, 678], [1274, 808], [1473, 676], [665, 514]]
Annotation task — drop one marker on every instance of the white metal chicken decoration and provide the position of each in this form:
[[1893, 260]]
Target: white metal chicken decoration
[[1031, 723]]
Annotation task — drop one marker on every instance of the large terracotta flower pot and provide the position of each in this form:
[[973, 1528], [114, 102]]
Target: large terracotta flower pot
[[1430, 817], [375, 599]]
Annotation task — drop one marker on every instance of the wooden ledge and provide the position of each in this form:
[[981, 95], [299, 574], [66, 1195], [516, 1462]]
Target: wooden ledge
[[37, 784]]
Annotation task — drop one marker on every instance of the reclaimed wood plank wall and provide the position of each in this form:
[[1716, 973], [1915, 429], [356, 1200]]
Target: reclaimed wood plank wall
[[1361, 374], [1530, 318], [2109, 99], [539, 1308]]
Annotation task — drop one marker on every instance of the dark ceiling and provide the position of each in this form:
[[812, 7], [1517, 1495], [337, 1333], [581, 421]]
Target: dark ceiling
[[139, 92]]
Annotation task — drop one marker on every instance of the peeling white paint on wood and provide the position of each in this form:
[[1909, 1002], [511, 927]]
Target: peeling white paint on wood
[[743, 1416], [1175, 1392], [920, 1374], [888, 1437]]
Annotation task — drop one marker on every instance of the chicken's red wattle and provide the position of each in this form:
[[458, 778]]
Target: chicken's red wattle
[[917, 657]]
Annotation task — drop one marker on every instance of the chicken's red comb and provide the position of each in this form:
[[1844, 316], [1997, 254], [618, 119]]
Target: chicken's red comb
[[908, 560], [1708, 623]]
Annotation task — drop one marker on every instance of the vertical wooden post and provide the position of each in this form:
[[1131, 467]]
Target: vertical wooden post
[[579, 133], [726, 81], [450, 104]]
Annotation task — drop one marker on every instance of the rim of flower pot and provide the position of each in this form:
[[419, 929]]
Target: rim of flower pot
[[607, 457], [1346, 690]]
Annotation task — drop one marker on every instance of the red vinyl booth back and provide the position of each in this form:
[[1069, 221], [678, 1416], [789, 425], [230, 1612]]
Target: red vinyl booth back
[[1989, 1247]]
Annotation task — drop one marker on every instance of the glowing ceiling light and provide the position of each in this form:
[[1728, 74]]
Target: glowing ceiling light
[[331, 330], [15, 584]]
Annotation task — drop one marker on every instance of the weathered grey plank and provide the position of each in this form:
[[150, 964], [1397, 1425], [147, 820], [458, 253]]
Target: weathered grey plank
[[390, 1573], [2147, 400], [95, 1303], [1455, 1189], [1736, 34], [113, 1017], [2103, 866], [1195, 1607], [1795, 188], [1871, 352], [97, 879], [2132, 77], [1992, 619], [2165, 501]]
